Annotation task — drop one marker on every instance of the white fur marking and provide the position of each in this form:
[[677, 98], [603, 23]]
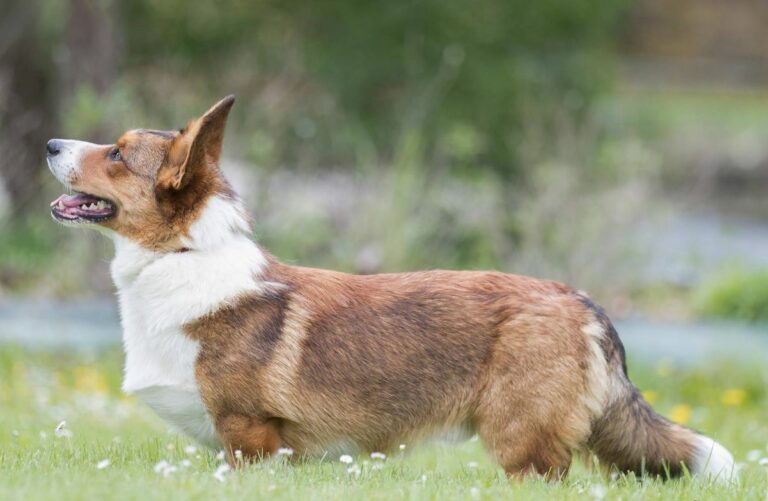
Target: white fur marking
[[713, 461], [221, 219], [66, 164], [599, 380], [183, 410], [161, 292]]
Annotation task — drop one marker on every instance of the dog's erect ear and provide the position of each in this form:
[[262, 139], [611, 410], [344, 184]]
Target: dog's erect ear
[[196, 147]]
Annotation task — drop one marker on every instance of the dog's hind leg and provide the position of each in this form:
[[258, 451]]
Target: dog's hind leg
[[523, 447], [532, 412]]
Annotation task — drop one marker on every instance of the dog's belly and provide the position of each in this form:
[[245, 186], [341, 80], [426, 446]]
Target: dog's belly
[[183, 410]]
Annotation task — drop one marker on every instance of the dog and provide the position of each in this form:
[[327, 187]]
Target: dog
[[242, 352]]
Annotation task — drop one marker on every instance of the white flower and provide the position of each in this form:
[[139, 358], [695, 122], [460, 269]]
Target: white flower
[[62, 431], [186, 463], [346, 459], [424, 478], [190, 449], [238, 454], [285, 451], [597, 491], [103, 464], [164, 468], [472, 464], [220, 472], [378, 455], [402, 447], [474, 492], [221, 455], [354, 470], [763, 462]]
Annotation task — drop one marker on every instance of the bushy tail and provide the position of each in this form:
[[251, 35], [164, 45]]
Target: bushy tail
[[632, 437]]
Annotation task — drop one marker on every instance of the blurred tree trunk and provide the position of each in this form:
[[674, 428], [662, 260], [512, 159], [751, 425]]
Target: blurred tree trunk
[[90, 54], [91, 43], [35, 86], [27, 110]]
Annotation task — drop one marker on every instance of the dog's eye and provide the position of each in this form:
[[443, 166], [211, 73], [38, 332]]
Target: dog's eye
[[114, 155]]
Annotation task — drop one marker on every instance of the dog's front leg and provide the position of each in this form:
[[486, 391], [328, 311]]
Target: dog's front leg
[[247, 438]]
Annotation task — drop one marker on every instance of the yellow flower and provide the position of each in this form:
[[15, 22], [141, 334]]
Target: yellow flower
[[650, 396], [680, 413], [89, 380], [734, 397]]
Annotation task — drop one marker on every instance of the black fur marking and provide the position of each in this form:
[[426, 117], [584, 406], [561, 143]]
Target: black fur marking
[[611, 343]]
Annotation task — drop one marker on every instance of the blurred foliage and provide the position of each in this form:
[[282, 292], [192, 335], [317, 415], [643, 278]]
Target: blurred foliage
[[339, 82], [425, 105], [735, 293], [25, 249]]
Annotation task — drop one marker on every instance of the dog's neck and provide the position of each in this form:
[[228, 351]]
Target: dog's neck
[[222, 231], [161, 292]]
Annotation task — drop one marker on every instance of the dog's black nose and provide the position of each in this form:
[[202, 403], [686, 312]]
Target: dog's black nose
[[53, 147]]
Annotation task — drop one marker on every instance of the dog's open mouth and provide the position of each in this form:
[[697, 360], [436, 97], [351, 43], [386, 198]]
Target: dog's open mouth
[[82, 207]]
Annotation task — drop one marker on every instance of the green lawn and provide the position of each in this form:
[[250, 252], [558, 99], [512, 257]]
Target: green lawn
[[39, 390]]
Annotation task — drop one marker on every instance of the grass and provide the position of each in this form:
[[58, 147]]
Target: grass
[[38, 390], [735, 293], [667, 111]]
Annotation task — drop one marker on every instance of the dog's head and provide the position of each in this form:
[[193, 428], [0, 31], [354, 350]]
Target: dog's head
[[149, 186]]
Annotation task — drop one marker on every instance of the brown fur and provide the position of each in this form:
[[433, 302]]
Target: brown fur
[[320, 359], [255, 438], [382, 359], [162, 181], [629, 435]]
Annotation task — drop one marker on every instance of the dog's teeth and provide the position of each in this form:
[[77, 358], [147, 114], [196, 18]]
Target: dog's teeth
[[60, 206], [92, 207], [84, 207]]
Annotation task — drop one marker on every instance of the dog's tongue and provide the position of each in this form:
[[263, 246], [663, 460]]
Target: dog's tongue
[[74, 200]]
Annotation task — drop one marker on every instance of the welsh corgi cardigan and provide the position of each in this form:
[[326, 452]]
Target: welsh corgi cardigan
[[241, 351]]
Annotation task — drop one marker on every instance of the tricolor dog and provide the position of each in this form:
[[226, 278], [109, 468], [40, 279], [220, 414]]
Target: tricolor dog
[[243, 352]]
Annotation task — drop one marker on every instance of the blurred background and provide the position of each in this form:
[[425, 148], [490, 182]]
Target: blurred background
[[621, 148]]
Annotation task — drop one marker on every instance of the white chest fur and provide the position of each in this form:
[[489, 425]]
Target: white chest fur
[[160, 293]]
